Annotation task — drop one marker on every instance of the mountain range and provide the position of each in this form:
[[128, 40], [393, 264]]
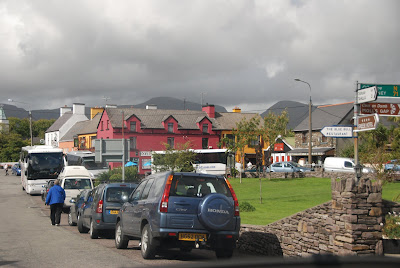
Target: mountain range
[[297, 111]]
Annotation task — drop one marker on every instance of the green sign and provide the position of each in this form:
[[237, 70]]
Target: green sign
[[384, 91]]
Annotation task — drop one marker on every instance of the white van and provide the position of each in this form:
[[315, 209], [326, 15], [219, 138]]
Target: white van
[[342, 164], [74, 179]]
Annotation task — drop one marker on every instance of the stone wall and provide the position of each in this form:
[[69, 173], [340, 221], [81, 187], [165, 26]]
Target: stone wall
[[347, 225]]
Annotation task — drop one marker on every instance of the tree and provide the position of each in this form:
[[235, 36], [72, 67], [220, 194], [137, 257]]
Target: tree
[[115, 175], [40, 126], [10, 146], [245, 132], [274, 126], [180, 159], [376, 141]]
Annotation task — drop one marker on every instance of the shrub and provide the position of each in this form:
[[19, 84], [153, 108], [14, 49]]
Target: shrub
[[246, 207], [391, 228]]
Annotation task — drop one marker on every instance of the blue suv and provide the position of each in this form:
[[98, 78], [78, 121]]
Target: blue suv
[[100, 211], [180, 210]]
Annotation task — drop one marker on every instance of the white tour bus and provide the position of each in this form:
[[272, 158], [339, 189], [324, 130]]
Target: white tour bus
[[39, 163], [86, 159], [209, 161]]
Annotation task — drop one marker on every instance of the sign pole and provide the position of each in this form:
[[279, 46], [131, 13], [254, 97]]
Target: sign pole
[[356, 109]]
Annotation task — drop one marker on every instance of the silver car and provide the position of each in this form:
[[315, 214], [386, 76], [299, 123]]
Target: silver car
[[287, 166]]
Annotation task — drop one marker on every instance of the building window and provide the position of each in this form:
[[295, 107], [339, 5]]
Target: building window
[[108, 124], [205, 128], [255, 142], [133, 143], [133, 126], [170, 127], [204, 143], [170, 142], [304, 137], [102, 125], [324, 139]]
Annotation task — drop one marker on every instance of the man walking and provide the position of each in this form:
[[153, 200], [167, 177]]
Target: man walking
[[55, 198]]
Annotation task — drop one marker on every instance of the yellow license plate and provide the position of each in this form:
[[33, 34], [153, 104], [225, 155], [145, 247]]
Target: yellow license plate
[[114, 211], [192, 237]]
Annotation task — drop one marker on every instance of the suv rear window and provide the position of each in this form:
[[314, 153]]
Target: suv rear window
[[118, 194], [198, 186]]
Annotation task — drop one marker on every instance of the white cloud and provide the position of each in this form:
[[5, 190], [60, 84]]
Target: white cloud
[[240, 52]]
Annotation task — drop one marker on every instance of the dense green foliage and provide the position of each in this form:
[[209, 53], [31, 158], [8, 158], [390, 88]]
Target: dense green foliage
[[285, 197], [115, 175], [10, 146], [179, 159], [19, 136]]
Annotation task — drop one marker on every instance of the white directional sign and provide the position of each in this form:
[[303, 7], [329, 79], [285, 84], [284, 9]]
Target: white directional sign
[[367, 94], [338, 131]]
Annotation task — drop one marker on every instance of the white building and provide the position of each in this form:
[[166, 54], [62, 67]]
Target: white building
[[68, 118]]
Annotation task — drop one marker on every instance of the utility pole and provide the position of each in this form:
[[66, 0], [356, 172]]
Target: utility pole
[[309, 124], [123, 148]]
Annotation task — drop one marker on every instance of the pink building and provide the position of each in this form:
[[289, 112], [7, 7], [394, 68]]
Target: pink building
[[150, 129]]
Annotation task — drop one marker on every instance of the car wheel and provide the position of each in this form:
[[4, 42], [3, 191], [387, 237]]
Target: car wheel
[[147, 246], [223, 253], [93, 232], [82, 229], [70, 221], [121, 240]]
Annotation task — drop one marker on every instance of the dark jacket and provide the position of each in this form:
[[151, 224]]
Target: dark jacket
[[55, 195]]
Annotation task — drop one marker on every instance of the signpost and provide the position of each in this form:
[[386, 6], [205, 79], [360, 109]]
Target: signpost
[[337, 131], [383, 109], [367, 94], [367, 122]]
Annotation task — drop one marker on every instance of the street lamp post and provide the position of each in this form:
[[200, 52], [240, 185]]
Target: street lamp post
[[309, 124], [30, 118]]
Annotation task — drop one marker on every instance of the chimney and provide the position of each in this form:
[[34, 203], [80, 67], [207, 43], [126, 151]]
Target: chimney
[[209, 109], [78, 108], [95, 110], [151, 107], [111, 106], [237, 110], [64, 109]]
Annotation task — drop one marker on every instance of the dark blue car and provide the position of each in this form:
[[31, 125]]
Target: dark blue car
[[16, 169], [180, 210], [99, 212], [76, 204]]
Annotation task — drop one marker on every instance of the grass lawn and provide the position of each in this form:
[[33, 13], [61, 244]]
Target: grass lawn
[[285, 197]]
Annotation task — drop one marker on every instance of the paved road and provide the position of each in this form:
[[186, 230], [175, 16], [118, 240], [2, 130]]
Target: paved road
[[27, 239]]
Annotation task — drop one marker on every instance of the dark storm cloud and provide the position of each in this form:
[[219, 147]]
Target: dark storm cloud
[[235, 53]]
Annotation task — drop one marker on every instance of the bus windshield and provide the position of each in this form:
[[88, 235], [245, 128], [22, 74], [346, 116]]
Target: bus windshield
[[45, 165]]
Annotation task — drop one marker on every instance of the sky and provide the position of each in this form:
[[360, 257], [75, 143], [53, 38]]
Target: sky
[[231, 53]]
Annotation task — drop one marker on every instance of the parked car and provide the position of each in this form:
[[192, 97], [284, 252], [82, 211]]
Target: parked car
[[46, 188], [74, 179], [102, 207], [16, 169], [393, 165], [180, 210], [342, 164], [76, 204], [287, 166]]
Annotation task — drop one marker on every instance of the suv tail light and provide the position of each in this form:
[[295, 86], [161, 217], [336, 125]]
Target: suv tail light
[[235, 200], [165, 197], [99, 208]]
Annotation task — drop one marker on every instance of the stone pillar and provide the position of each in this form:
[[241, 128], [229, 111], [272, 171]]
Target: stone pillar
[[357, 214]]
